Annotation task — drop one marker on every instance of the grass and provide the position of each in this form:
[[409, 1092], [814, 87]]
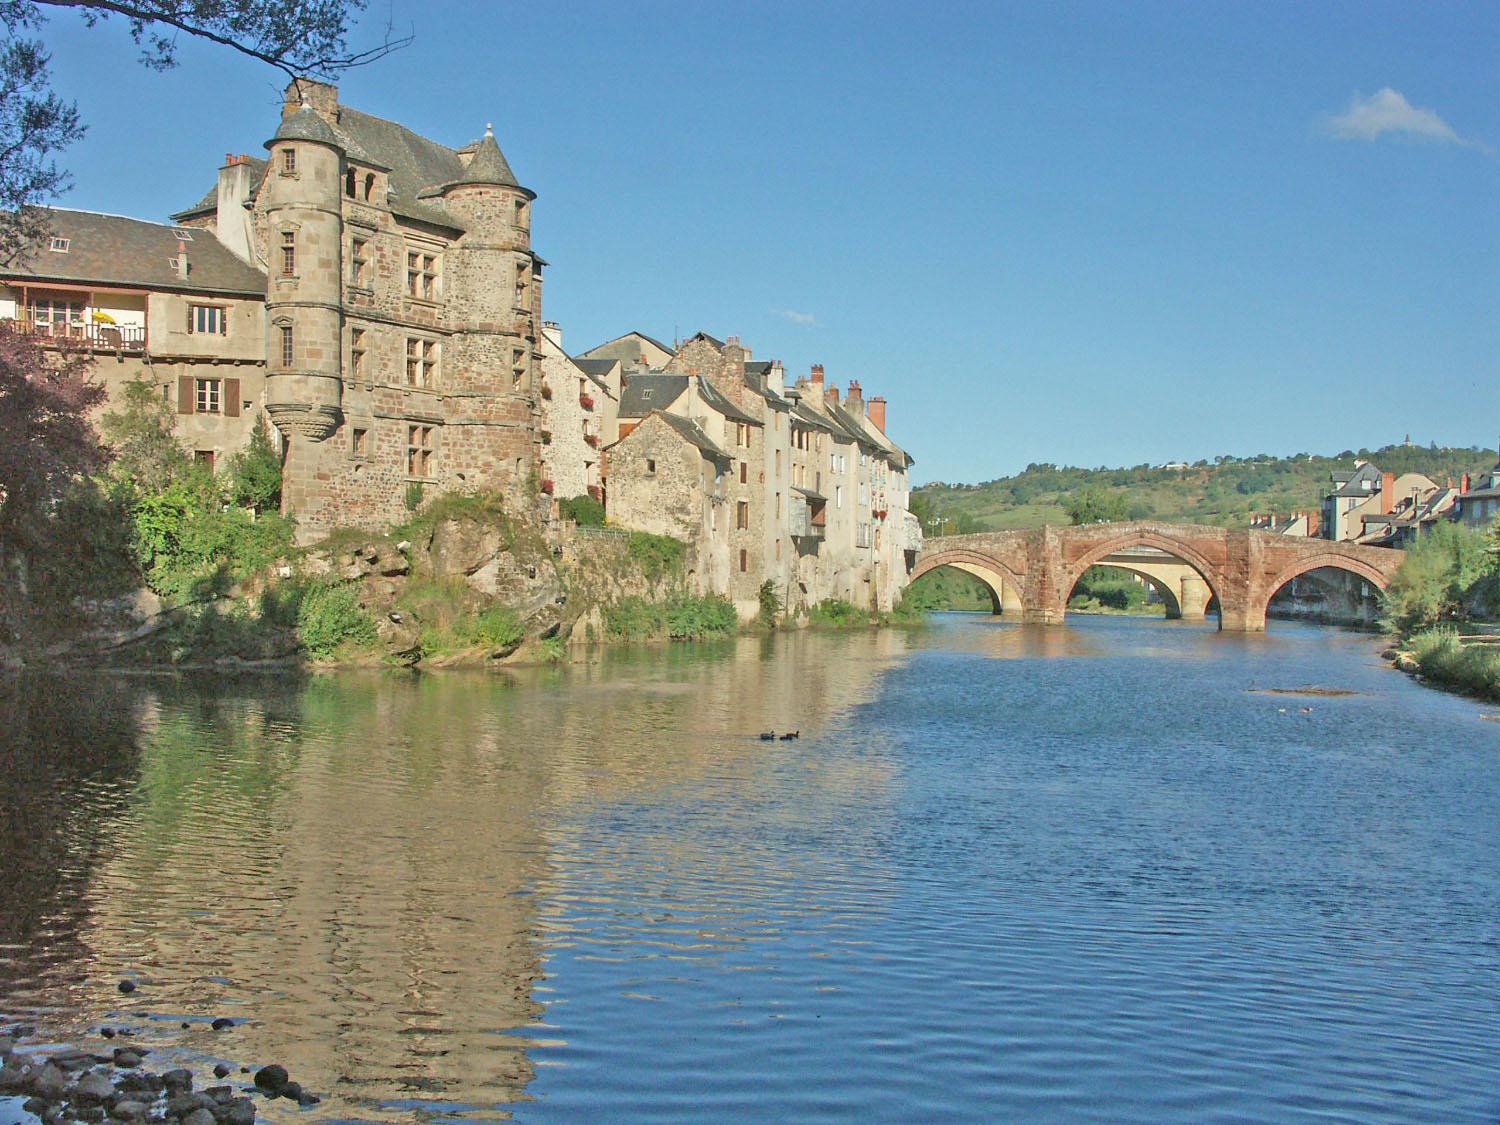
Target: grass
[[682, 617], [1446, 657]]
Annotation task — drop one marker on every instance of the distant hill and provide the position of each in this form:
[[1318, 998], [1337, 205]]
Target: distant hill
[[1225, 491]]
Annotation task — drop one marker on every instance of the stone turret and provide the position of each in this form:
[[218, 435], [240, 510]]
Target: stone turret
[[303, 228]]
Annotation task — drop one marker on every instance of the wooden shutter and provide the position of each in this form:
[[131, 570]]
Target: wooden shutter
[[185, 391], [231, 398], [190, 319]]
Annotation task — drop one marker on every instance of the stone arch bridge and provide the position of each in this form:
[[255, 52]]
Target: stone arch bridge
[[1032, 572]]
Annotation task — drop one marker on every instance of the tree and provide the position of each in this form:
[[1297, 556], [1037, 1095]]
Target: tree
[[147, 457], [48, 442], [1095, 504], [256, 473], [1436, 580], [296, 36]]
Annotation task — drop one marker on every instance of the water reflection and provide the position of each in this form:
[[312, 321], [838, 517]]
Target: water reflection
[[350, 867]]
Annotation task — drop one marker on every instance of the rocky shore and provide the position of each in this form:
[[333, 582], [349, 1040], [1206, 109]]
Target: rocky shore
[[53, 1084]]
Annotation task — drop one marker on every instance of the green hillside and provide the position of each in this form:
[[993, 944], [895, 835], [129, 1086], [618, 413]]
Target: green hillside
[[1225, 491]]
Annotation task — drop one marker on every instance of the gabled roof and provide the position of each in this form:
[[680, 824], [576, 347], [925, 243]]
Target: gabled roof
[[653, 341], [691, 432], [757, 378], [718, 402], [1349, 483], [642, 394], [595, 367], [132, 253], [715, 341]]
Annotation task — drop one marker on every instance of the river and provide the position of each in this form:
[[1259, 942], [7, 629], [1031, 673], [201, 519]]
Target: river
[[1095, 873]]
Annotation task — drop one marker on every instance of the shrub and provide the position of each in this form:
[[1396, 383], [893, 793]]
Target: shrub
[[256, 473], [657, 555], [770, 604], [836, 613], [413, 495], [680, 618], [585, 511], [497, 628], [329, 616], [1434, 581]]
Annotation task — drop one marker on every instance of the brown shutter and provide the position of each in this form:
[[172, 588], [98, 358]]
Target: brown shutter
[[185, 391], [190, 319], [231, 398]]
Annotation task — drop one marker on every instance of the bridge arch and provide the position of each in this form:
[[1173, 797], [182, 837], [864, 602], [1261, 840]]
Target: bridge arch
[[1141, 537], [1316, 561], [1004, 585]]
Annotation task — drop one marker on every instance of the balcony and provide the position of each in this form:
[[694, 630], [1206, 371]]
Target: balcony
[[83, 334]]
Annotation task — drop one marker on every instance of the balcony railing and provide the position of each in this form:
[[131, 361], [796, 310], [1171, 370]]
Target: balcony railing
[[113, 337]]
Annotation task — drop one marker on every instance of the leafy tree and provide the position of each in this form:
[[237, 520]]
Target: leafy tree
[[1436, 579], [1095, 504], [256, 472], [48, 443], [295, 36], [147, 457]]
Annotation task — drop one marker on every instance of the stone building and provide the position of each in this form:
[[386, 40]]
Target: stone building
[[153, 302], [795, 486], [402, 307], [577, 410]]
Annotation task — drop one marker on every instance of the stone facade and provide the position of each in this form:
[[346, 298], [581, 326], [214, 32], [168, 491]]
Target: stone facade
[[812, 495]]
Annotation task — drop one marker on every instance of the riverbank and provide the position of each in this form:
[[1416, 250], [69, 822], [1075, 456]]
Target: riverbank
[[51, 1083], [1468, 664]]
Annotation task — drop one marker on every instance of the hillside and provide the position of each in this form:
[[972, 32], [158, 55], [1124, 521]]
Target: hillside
[[1224, 492]]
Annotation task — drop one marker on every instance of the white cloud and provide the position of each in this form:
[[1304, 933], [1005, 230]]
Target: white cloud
[[797, 317], [1390, 112]]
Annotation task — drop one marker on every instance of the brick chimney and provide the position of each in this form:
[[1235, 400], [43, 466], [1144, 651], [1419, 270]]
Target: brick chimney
[[182, 259], [1387, 493], [876, 410], [831, 393], [817, 373], [854, 401], [1464, 483]]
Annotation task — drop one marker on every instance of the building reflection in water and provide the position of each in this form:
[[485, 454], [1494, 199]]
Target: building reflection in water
[[355, 868]]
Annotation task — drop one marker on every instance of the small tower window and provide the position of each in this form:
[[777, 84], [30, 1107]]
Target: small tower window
[[288, 253], [349, 178], [369, 185], [288, 350], [358, 260], [288, 161]]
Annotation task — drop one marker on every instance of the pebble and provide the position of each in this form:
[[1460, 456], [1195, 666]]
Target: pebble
[[271, 1078], [127, 986], [130, 1111], [126, 1059], [178, 1081], [221, 1023], [199, 1116], [221, 1071], [107, 1032], [94, 1086]]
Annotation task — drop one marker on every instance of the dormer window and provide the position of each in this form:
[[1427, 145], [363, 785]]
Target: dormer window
[[59, 245], [288, 161]]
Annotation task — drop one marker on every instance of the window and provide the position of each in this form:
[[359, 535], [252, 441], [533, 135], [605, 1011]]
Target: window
[[778, 548], [742, 434], [421, 362], [59, 246], [418, 451], [520, 212], [359, 442], [778, 462], [207, 318], [288, 161], [358, 261], [421, 275], [207, 401], [53, 315], [369, 185], [517, 368], [288, 253], [645, 393], [523, 272], [864, 496], [288, 350], [744, 472], [863, 458], [778, 505], [744, 560], [838, 496], [356, 353], [650, 466], [349, 178], [204, 457], [742, 515]]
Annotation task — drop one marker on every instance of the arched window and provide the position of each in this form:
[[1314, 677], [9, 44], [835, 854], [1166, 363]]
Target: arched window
[[369, 184], [349, 183]]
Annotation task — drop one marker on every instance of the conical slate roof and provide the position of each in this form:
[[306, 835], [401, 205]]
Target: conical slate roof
[[488, 166], [305, 125]]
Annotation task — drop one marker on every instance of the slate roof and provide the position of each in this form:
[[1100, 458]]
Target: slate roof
[[304, 125], [664, 391], [810, 417], [1349, 483], [132, 253], [757, 378], [809, 493], [417, 167], [595, 367], [693, 434], [209, 204], [717, 401]]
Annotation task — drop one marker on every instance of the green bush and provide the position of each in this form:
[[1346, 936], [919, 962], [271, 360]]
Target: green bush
[[835, 613], [1444, 657], [496, 628], [1435, 580], [658, 556], [680, 618], [585, 511], [255, 474], [770, 604], [329, 616]]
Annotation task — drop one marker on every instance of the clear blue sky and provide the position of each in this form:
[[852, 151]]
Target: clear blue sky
[[1086, 233]]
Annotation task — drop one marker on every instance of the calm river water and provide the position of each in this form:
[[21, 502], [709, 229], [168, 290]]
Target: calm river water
[[1078, 874]]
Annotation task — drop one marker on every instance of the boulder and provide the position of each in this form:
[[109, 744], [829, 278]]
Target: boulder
[[272, 1079], [93, 1088]]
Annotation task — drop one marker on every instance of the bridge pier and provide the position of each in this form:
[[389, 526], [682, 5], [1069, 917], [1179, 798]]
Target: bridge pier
[[1241, 619], [1010, 601], [1193, 601]]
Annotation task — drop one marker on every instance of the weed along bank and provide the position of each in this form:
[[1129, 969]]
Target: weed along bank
[[360, 310]]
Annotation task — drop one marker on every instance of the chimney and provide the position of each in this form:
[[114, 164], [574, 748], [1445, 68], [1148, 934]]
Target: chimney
[[551, 330], [831, 393], [228, 159], [817, 373], [854, 401], [182, 259], [776, 380], [1387, 493], [876, 411], [232, 219], [1463, 482]]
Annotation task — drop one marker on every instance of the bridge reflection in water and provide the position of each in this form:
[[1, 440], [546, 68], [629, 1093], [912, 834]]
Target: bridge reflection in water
[[1032, 573]]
